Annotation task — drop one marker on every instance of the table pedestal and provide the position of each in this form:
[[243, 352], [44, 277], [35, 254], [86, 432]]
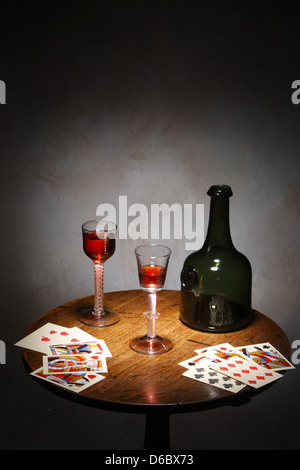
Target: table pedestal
[[157, 430]]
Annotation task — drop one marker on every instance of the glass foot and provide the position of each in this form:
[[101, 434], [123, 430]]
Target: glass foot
[[107, 319], [146, 345]]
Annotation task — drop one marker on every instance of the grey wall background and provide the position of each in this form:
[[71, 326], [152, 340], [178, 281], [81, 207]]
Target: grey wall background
[[156, 101]]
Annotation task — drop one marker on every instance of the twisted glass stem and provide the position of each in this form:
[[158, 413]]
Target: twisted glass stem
[[98, 279], [151, 315]]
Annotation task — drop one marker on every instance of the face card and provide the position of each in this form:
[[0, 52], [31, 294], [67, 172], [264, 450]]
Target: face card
[[73, 382], [212, 354], [246, 372], [84, 347], [204, 374], [77, 336], [221, 352], [74, 363], [265, 355]]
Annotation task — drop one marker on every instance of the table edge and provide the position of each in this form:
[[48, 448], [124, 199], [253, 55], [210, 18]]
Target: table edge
[[234, 399]]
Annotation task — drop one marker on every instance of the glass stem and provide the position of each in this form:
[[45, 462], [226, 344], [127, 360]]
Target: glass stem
[[98, 279], [151, 317]]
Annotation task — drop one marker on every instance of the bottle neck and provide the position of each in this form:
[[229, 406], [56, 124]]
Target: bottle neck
[[218, 232]]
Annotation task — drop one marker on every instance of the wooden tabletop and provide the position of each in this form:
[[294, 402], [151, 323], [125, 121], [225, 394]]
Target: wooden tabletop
[[138, 379]]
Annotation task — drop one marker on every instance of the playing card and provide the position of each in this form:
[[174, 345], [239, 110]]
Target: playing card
[[224, 347], [76, 336], [45, 334], [84, 337], [265, 355], [245, 371], [221, 351], [73, 382], [204, 374], [59, 334], [83, 347], [74, 363], [195, 361], [23, 343], [212, 354], [50, 334], [80, 335]]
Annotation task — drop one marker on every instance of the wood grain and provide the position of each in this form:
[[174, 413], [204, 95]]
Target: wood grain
[[138, 379]]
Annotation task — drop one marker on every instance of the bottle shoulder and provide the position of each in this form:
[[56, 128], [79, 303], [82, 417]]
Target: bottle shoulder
[[219, 256]]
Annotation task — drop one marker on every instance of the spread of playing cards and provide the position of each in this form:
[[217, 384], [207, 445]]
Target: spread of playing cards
[[73, 359], [232, 369]]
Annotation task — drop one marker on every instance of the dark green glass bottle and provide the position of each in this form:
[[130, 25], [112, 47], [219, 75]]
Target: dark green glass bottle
[[216, 281]]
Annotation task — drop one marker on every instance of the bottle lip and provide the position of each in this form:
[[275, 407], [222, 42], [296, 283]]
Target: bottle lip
[[220, 191]]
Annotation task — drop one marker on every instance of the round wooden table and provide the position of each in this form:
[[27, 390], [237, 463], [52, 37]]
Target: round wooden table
[[153, 385]]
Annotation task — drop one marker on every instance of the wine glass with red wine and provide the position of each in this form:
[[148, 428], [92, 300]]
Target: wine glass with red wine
[[152, 263], [99, 243]]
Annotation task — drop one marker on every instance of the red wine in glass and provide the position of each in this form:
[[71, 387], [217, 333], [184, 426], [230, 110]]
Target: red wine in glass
[[98, 247], [152, 261], [99, 243], [152, 277]]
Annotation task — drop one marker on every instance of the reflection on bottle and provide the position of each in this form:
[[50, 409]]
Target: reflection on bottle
[[220, 311], [213, 313]]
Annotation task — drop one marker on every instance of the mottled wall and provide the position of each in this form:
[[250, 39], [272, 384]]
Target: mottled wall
[[156, 101]]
